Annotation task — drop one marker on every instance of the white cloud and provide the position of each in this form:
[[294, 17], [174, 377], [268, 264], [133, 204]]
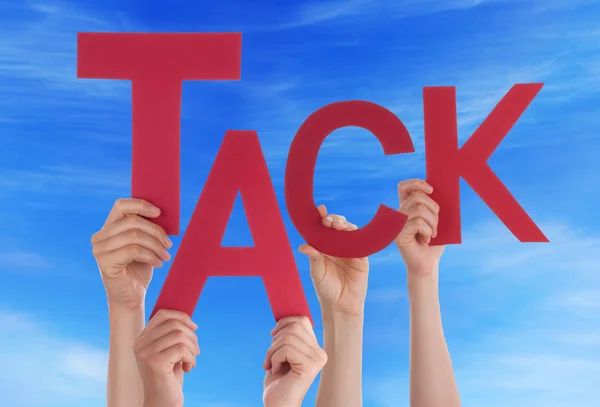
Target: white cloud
[[521, 320], [43, 367], [23, 260], [65, 179], [490, 247], [42, 47], [351, 11]]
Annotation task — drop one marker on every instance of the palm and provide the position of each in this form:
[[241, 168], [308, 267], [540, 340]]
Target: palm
[[140, 274], [131, 282], [344, 282], [416, 253]]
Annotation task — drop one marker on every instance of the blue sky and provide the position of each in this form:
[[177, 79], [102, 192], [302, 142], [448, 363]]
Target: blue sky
[[522, 320]]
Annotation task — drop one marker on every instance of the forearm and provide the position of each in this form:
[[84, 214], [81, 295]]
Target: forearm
[[432, 382], [124, 387], [341, 378]]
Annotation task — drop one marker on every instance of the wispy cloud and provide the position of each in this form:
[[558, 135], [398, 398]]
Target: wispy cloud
[[42, 367], [352, 11], [64, 179], [21, 260], [42, 48], [487, 244]]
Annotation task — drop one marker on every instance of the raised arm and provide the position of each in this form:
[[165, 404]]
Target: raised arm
[[341, 286], [166, 349], [432, 382], [292, 363], [127, 248]]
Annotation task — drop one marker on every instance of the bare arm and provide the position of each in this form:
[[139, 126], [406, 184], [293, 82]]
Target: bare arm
[[124, 387], [432, 382], [341, 378]]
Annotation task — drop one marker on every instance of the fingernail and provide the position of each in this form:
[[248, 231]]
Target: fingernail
[[194, 325], [329, 219], [339, 221], [167, 255], [168, 242], [154, 210]]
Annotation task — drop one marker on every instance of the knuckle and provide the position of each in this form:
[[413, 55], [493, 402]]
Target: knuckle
[[135, 234], [295, 327], [119, 203], [137, 347], [323, 356], [135, 250]]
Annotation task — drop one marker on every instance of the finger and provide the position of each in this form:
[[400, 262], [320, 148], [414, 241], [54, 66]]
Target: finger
[[303, 321], [296, 329], [166, 328], [405, 188], [129, 237], [288, 341], [132, 222], [418, 227], [423, 212], [122, 257], [322, 210], [317, 267], [334, 221], [171, 339], [312, 253], [164, 315], [291, 355], [419, 198], [131, 206], [176, 353]]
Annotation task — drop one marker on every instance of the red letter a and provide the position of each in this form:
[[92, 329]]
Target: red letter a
[[239, 166], [446, 163]]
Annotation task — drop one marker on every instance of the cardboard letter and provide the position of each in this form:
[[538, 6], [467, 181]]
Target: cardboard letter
[[446, 163], [299, 178], [157, 64], [239, 166]]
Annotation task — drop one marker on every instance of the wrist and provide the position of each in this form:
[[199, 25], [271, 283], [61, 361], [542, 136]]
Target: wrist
[[341, 331], [126, 324], [423, 287], [342, 319], [117, 313]]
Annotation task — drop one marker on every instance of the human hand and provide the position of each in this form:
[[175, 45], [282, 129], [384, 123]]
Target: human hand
[[341, 284], [165, 349], [292, 362], [421, 226], [126, 249]]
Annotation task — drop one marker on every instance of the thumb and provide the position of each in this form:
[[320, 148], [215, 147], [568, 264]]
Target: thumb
[[310, 252], [317, 269]]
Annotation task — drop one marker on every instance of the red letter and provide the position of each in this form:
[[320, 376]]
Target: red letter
[[239, 166], [299, 177], [157, 64], [446, 163]]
